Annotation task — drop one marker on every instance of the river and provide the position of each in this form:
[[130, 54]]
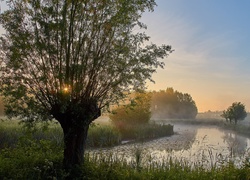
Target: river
[[192, 145]]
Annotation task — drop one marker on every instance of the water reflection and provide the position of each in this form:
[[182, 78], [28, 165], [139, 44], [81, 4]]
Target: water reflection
[[193, 145], [237, 145]]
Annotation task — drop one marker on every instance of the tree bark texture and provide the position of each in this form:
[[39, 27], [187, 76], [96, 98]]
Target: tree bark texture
[[74, 145], [75, 123]]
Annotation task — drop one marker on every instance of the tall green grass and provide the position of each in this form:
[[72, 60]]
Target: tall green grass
[[11, 131], [98, 135], [9, 137], [103, 136]]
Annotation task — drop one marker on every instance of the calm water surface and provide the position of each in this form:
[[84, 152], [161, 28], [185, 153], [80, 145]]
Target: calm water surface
[[211, 147], [193, 145]]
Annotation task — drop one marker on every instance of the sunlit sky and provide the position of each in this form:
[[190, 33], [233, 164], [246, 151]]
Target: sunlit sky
[[211, 39]]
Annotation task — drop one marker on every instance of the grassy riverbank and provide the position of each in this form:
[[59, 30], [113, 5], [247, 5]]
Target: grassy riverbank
[[41, 159], [38, 154]]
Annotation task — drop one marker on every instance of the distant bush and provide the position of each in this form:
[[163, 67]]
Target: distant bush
[[134, 113], [235, 112]]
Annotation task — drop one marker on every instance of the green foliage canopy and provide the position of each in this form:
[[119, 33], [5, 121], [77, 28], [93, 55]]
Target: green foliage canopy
[[65, 52]]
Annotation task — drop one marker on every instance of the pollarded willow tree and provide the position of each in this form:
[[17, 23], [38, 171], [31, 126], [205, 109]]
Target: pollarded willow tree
[[67, 59]]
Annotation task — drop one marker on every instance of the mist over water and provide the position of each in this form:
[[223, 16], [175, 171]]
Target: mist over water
[[193, 144]]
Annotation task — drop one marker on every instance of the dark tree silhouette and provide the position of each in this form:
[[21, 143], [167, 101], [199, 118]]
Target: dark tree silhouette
[[235, 112], [67, 59]]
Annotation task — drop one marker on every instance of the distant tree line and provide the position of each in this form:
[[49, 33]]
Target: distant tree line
[[156, 105], [170, 103]]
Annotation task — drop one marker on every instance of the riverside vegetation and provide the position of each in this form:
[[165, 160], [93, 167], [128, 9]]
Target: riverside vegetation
[[38, 155]]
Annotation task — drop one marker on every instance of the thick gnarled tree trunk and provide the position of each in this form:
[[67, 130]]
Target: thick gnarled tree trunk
[[75, 124], [74, 145]]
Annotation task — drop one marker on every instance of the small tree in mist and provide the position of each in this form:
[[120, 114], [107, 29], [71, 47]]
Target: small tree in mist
[[173, 104], [68, 59], [137, 112], [235, 112], [133, 119]]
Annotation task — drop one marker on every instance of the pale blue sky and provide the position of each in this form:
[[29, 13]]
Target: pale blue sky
[[211, 39]]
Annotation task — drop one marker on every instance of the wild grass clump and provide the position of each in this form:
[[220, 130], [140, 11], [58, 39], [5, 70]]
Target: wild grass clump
[[103, 136], [146, 131]]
